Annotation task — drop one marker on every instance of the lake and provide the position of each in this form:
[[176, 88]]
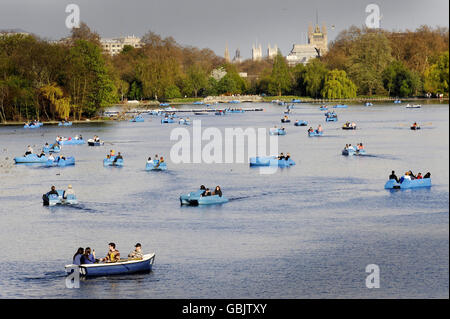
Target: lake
[[307, 231]]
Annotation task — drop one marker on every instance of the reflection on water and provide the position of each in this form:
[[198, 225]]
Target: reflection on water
[[307, 231]]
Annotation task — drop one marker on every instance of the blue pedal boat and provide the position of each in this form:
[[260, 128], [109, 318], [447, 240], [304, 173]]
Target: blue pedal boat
[[195, 199], [156, 166], [184, 122], [235, 111], [323, 108], [270, 161], [277, 131], [61, 162], [122, 267], [368, 104], [137, 119], [331, 119], [30, 158], [110, 161], [406, 183], [65, 124], [53, 199], [33, 125], [296, 101], [300, 123], [340, 106], [91, 142], [315, 133], [167, 120], [353, 152], [71, 141]]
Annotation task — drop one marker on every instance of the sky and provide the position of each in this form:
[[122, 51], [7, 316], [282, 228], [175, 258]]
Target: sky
[[214, 24]]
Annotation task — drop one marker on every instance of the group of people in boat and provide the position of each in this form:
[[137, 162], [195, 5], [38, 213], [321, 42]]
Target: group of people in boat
[[33, 123], [87, 255], [285, 157], [409, 176], [50, 157], [158, 159], [318, 130], [285, 119], [358, 147], [96, 139], [207, 191], [415, 126], [62, 138], [112, 154], [68, 191], [350, 125]]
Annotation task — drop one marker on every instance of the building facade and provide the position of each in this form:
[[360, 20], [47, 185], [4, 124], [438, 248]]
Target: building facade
[[257, 53], [116, 45], [317, 46], [272, 51]]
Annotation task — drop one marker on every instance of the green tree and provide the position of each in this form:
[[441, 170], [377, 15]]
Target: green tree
[[371, 54], [437, 75], [314, 77], [280, 79], [196, 80], [338, 86]]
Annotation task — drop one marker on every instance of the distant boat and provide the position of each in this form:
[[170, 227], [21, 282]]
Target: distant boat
[[201, 113], [414, 106]]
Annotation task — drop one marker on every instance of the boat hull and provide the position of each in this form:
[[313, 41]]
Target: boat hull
[[406, 184], [110, 162], [71, 142], [30, 158], [117, 268], [301, 123], [262, 161], [153, 166]]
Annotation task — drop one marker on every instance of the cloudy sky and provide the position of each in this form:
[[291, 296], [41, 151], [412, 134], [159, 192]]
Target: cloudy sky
[[214, 23]]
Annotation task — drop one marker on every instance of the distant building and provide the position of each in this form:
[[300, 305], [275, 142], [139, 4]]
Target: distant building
[[272, 51], [237, 56], [227, 54], [257, 53], [317, 46], [116, 45]]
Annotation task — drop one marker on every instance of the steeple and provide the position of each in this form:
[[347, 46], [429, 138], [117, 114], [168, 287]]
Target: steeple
[[227, 54]]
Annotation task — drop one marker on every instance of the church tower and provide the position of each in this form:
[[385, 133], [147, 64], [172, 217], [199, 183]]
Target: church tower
[[227, 54]]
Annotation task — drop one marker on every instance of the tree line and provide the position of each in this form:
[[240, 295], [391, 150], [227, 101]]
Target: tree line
[[75, 78]]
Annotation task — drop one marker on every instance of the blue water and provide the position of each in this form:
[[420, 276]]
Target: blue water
[[307, 231]]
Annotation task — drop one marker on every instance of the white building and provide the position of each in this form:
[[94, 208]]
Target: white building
[[272, 51], [116, 45], [317, 46], [257, 53]]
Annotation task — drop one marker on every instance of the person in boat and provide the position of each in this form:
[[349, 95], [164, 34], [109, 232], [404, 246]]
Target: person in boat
[[419, 176], [218, 191], [42, 154], [96, 138], [188, 119], [206, 193], [51, 157], [68, 191], [319, 128], [137, 252], [353, 124], [111, 153], [119, 156], [310, 130], [281, 156], [414, 125], [161, 160], [359, 146], [410, 173], [29, 150], [77, 256], [52, 191], [113, 254], [427, 175], [347, 124], [287, 157], [149, 160], [203, 189], [393, 176], [88, 257]]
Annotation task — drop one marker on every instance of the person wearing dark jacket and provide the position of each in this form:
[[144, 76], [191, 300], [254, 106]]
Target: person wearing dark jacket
[[393, 176], [218, 191]]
